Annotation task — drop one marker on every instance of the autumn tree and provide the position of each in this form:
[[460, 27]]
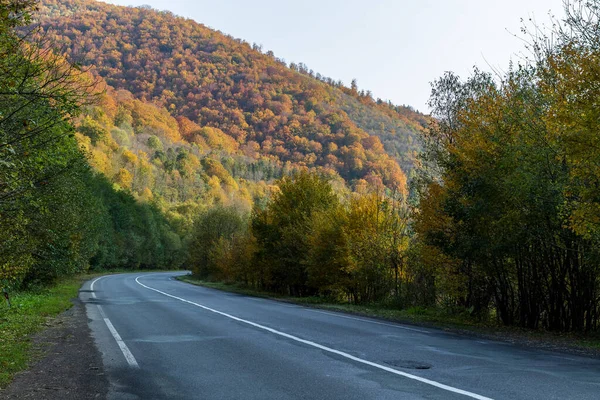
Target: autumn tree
[[505, 205]]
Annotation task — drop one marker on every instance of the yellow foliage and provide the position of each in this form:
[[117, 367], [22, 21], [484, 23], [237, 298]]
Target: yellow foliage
[[146, 195], [123, 178], [129, 157]]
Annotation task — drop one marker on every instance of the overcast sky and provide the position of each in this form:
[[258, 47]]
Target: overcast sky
[[394, 48]]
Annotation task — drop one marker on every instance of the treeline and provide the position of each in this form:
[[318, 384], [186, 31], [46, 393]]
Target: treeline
[[509, 210], [309, 240], [57, 216], [171, 162]]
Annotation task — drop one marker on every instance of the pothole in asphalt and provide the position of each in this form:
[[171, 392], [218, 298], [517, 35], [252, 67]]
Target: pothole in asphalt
[[408, 364]]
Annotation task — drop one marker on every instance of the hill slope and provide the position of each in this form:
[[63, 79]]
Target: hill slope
[[208, 79]]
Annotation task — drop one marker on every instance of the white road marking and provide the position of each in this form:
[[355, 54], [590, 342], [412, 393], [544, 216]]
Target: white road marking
[[369, 321], [124, 349], [324, 348], [92, 285]]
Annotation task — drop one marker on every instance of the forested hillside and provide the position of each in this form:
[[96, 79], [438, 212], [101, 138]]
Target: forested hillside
[[173, 118], [284, 114]]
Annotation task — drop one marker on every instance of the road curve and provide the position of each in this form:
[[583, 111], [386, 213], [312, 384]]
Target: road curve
[[164, 339]]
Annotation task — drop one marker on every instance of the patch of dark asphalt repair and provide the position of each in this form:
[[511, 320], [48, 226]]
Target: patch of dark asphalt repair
[[68, 366], [408, 364]]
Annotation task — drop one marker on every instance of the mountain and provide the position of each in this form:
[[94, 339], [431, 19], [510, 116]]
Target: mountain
[[265, 111]]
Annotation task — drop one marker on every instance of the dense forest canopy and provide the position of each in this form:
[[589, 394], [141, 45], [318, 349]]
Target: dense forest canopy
[[286, 114], [509, 203]]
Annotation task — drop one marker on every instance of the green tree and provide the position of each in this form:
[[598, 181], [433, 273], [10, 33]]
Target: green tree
[[213, 233], [39, 92], [283, 228]]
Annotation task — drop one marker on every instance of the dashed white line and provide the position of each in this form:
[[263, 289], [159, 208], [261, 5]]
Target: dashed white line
[[124, 349], [324, 348], [371, 322]]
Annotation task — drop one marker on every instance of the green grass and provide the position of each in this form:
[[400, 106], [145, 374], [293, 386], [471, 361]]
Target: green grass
[[416, 315], [429, 317], [29, 314], [230, 287], [591, 342]]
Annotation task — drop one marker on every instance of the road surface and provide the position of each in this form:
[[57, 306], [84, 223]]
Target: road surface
[[164, 339]]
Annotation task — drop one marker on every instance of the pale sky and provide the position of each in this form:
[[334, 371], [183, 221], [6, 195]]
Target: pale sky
[[394, 48]]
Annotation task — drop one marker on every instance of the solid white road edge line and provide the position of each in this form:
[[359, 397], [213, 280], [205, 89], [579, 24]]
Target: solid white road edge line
[[371, 322], [124, 349], [92, 285], [324, 348]]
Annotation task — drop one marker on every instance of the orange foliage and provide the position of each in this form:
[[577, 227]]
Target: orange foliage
[[222, 92]]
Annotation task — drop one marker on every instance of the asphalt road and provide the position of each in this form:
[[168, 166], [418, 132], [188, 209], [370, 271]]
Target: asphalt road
[[164, 339]]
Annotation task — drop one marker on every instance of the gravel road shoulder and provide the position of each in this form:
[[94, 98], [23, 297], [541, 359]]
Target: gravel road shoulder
[[68, 365]]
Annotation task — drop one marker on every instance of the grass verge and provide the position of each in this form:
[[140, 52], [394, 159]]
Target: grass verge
[[414, 315], [430, 317], [31, 312]]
